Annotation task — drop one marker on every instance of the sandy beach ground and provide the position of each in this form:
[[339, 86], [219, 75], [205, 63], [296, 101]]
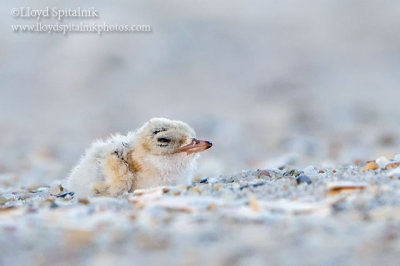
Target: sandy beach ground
[[285, 91], [348, 216]]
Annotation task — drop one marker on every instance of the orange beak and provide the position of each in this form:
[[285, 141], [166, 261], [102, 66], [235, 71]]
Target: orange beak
[[196, 146]]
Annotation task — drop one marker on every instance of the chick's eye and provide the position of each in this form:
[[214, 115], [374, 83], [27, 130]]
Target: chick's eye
[[164, 140]]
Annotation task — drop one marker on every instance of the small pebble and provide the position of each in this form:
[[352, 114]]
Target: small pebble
[[292, 172], [382, 162], [64, 195], [204, 181], [303, 179]]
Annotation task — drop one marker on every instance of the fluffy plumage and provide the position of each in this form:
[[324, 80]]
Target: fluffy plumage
[[161, 152]]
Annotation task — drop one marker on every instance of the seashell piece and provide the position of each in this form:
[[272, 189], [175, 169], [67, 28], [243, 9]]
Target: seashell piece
[[339, 187], [392, 165], [370, 166]]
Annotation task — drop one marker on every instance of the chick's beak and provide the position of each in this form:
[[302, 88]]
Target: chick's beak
[[196, 146]]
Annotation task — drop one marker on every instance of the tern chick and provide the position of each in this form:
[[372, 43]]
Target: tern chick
[[161, 152]]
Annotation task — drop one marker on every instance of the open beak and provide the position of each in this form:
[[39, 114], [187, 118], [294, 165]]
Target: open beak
[[196, 146]]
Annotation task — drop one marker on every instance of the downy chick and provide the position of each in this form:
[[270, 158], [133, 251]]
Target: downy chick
[[161, 152]]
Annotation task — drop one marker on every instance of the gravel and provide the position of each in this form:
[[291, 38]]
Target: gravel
[[343, 216]]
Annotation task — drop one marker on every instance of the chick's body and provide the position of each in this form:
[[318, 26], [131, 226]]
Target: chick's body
[[161, 152]]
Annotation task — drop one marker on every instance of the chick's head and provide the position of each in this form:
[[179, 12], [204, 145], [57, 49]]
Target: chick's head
[[161, 136]]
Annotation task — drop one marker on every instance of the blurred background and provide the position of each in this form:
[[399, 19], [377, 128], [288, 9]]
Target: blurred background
[[268, 82]]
